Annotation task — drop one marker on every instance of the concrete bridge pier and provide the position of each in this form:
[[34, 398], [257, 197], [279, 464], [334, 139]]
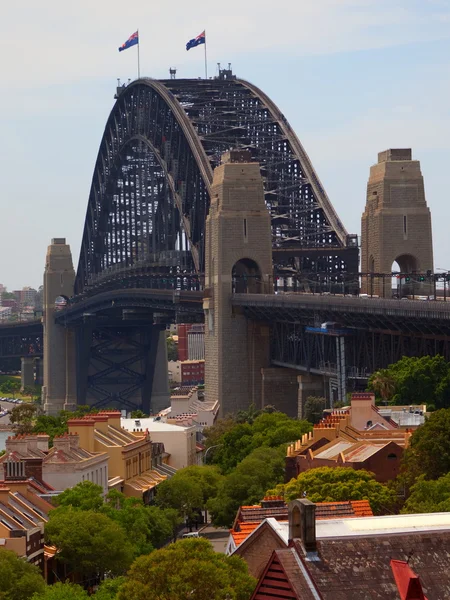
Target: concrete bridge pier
[[157, 372], [38, 371], [309, 385], [59, 277], [27, 372], [238, 259]]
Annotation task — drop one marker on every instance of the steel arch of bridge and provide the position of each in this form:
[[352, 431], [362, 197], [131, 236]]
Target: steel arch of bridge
[[152, 181]]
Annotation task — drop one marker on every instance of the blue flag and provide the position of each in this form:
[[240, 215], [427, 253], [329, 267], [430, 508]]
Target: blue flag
[[131, 41], [200, 39]]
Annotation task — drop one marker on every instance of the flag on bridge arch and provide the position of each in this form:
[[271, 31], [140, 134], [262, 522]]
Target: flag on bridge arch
[[131, 41], [200, 39]]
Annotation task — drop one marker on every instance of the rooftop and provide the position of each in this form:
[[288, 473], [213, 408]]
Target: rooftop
[[151, 425]]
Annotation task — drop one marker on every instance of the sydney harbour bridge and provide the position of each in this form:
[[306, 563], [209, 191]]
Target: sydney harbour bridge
[[142, 257]]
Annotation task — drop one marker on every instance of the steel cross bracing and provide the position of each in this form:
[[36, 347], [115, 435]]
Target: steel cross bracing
[[151, 186], [21, 339]]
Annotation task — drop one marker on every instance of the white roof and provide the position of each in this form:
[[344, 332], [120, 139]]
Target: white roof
[[152, 425], [365, 526]]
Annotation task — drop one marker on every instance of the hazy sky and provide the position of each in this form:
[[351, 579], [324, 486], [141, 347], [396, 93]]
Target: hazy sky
[[353, 77]]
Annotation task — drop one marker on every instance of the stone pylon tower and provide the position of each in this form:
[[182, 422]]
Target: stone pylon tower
[[396, 223], [238, 259], [59, 389]]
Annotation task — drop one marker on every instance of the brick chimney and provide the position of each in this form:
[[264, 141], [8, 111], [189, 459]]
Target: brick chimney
[[302, 523], [273, 502]]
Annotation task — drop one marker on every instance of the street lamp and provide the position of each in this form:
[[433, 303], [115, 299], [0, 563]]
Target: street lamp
[[207, 450]]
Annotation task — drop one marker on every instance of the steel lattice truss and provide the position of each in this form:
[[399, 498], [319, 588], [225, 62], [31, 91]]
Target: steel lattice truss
[[151, 186]]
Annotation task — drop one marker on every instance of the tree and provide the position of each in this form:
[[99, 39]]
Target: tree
[[214, 433], [172, 349], [184, 494], [147, 526], [428, 452], [84, 496], [138, 414], [109, 588], [429, 496], [418, 380], [207, 478], [314, 407], [62, 591], [383, 384], [247, 484], [268, 429], [336, 484], [89, 542], [22, 417], [18, 578], [185, 570]]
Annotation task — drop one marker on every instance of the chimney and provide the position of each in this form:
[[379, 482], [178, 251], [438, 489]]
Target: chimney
[[273, 502], [33, 468], [302, 523]]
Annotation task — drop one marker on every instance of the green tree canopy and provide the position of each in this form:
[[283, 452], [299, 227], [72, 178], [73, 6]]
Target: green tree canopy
[[184, 494], [172, 349], [89, 542], [62, 591], [85, 496], [428, 452], [383, 384], [416, 381], [267, 430], [109, 588], [18, 578], [22, 417], [147, 526], [336, 484], [185, 570], [247, 484], [314, 407], [429, 496]]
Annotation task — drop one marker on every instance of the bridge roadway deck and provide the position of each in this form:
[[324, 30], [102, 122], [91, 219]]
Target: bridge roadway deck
[[408, 316]]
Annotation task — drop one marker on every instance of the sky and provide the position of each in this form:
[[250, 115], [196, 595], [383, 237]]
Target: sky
[[353, 77]]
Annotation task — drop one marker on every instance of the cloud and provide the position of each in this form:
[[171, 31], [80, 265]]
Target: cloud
[[60, 42]]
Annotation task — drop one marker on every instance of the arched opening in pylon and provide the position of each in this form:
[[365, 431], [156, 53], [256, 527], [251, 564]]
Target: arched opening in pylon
[[246, 277]]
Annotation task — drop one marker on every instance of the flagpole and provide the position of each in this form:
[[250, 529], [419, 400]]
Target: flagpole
[[206, 63], [139, 58]]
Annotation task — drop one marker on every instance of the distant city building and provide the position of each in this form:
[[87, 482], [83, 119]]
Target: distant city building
[[179, 441], [5, 313], [188, 404], [191, 341], [25, 296], [187, 372]]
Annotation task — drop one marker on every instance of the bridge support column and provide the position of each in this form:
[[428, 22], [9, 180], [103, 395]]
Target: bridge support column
[[239, 259], [309, 385], [27, 372], [59, 278], [280, 389], [160, 394], [71, 370], [38, 370]]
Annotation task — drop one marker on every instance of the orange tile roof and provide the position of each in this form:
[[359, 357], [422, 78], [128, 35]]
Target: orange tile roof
[[324, 510]]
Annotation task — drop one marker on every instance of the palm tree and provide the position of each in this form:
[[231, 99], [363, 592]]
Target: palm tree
[[383, 384]]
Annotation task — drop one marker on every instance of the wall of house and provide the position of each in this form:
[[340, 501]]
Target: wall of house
[[258, 549]]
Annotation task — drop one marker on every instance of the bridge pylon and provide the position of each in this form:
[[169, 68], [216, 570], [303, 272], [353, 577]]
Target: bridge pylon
[[396, 225], [59, 357], [238, 259]]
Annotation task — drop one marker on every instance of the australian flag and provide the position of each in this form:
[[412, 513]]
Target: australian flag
[[131, 41], [200, 39]]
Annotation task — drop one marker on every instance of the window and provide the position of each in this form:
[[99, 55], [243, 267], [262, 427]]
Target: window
[[404, 225], [392, 456]]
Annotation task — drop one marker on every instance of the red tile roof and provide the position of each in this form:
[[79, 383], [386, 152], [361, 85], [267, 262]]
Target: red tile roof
[[408, 583], [250, 517]]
